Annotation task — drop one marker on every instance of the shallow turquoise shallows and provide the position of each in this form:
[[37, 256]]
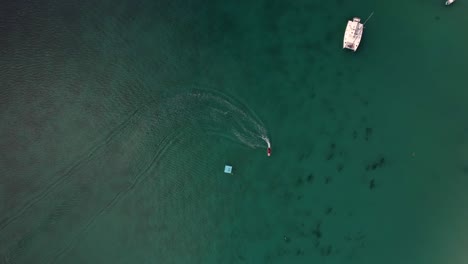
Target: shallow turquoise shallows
[[117, 118]]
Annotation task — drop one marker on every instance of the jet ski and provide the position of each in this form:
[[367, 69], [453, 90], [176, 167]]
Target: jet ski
[[269, 145]]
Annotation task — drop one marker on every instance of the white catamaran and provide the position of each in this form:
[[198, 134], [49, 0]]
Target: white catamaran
[[353, 33]]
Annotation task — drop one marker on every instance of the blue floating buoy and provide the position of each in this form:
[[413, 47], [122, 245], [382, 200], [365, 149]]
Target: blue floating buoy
[[228, 169]]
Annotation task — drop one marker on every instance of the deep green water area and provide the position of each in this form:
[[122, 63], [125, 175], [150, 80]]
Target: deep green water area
[[118, 117]]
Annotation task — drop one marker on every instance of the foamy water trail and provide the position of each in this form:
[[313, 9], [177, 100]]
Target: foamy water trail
[[215, 111], [267, 141]]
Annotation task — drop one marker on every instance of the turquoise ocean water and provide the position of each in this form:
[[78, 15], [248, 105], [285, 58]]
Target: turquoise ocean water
[[117, 118]]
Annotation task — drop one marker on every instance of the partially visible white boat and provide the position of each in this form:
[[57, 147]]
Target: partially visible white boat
[[353, 34], [449, 2]]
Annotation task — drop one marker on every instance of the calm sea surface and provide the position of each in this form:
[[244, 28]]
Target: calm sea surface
[[118, 117]]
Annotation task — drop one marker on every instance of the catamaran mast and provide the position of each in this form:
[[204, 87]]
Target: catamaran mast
[[368, 18]]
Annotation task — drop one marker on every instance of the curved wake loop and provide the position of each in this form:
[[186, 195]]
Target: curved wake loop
[[148, 136], [223, 116]]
